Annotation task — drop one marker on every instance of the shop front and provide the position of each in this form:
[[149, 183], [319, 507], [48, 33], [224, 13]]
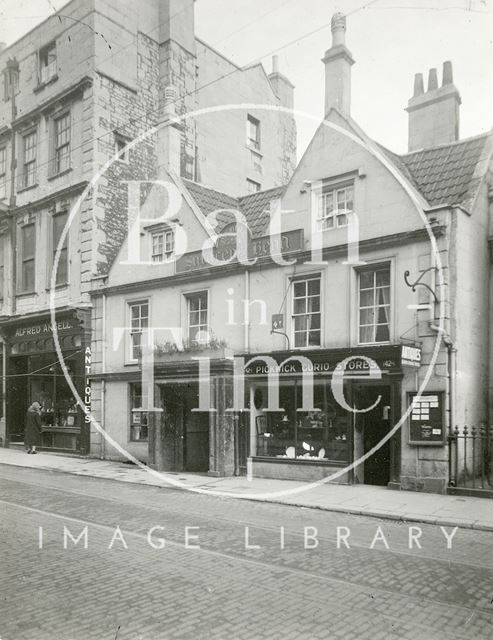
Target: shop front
[[34, 374], [313, 413], [182, 436]]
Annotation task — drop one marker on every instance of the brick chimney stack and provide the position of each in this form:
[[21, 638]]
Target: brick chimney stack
[[282, 87], [338, 62], [434, 114]]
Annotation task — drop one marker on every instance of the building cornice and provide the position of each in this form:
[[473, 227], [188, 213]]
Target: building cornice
[[41, 108], [328, 253], [52, 197]]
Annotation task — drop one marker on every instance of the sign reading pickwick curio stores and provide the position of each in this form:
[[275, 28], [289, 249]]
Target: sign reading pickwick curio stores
[[225, 249]]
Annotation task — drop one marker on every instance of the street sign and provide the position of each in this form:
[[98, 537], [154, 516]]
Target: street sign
[[277, 322]]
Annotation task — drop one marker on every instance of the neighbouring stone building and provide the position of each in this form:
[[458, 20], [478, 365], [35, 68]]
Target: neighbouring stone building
[[79, 88], [376, 288]]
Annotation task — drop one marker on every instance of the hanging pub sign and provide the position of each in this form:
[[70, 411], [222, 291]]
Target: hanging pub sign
[[426, 419]]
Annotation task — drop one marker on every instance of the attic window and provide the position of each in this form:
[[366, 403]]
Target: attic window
[[336, 201], [47, 63], [163, 245]]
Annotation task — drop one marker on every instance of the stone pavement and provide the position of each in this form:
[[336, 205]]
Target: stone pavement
[[461, 511]]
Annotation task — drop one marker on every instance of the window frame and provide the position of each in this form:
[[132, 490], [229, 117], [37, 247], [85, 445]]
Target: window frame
[[252, 183], [374, 268], [3, 173], [23, 260], [130, 355], [63, 252], [166, 255], [143, 420], [61, 150], [2, 267], [333, 189], [26, 166], [308, 277], [189, 295], [253, 143], [51, 67]]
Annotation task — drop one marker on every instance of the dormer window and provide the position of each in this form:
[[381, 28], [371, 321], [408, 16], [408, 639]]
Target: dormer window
[[163, 245], [47, 63], [335, 202]]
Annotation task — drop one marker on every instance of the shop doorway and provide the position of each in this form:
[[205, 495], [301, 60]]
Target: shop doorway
[[185, 442], [370, 428], [17, 398]]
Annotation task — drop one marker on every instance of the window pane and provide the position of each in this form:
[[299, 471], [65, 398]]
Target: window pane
[[28, 276], [299, 289], [62, 271], [366, 279], [314, 338], [299, 305], [313, 287], [383, 277], [28, 241], [367, 298]]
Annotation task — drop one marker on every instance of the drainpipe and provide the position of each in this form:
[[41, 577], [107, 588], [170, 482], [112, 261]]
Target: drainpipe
[[103, 381], [246, 307], [12, 69], [451, 367]]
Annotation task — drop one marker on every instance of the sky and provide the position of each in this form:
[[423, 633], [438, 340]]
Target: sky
[[390, 40]]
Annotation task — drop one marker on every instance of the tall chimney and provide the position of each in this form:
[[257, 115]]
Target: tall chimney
[[178, 68], [282, 87], [169, 135], [434, 114], [338, 62]]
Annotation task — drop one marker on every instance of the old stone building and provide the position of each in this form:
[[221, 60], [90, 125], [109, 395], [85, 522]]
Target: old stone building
[[78, 89], [374, 291]]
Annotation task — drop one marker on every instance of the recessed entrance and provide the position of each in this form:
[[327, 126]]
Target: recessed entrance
[[371, 426]]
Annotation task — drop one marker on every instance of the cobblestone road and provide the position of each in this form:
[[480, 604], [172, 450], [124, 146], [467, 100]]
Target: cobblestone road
[[293, 583]]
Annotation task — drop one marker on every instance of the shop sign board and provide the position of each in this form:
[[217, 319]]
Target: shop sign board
[[41, 330], [410, 356], [426, 420], [225, 248], [354, 362]]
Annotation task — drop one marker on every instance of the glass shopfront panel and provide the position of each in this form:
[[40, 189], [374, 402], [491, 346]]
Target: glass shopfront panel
[[323, 434]]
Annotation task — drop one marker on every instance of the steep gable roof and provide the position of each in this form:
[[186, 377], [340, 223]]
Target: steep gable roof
[[447, 174], [255, 206]]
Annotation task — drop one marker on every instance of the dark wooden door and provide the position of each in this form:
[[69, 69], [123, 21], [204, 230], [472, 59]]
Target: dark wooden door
[[196, 441]]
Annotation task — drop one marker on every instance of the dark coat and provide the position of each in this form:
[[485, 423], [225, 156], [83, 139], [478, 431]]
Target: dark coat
[[32, 436]]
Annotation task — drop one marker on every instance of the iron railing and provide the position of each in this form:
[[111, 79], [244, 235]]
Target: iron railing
[[471, 458]]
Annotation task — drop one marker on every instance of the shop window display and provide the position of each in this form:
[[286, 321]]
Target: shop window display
[[319, 435]]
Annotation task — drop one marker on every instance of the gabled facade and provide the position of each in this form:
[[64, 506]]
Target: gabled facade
[[81, 87], [381, 294]]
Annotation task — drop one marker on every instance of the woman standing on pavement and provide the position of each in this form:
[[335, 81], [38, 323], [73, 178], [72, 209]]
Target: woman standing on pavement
[[32, 436]]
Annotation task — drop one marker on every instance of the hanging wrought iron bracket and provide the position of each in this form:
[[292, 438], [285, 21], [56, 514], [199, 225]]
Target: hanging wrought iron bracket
[[418, 283], [281, 333]]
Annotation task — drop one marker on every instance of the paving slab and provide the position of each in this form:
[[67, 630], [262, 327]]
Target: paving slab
[[379, 502]]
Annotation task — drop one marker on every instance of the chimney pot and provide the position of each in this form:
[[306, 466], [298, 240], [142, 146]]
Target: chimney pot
[[419, 88], [447, 75], [432, 80], [434, 115], [338, 28], [338, 62], [275, 64]]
